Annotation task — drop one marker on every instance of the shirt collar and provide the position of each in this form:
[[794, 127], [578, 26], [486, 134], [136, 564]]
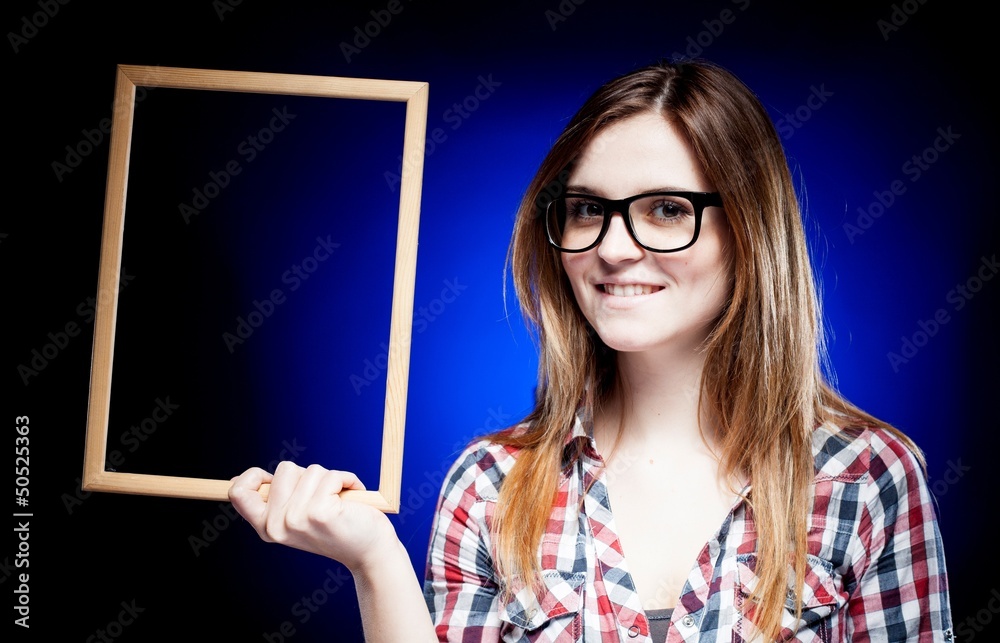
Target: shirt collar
[[580, 440]]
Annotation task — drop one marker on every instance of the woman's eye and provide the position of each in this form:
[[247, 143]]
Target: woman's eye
[[669, 209], [587, 209]]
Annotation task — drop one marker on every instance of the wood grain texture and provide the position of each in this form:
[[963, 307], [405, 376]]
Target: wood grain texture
[[96, 477]]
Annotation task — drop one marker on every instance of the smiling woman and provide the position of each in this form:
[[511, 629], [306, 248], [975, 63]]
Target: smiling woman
[[637, 300], [687, 472]]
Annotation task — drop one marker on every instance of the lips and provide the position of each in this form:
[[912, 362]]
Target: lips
[[629, 290]]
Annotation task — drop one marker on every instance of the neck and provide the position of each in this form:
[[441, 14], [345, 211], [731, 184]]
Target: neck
[[659, 402]]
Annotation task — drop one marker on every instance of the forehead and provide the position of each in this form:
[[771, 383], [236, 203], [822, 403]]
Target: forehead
[[637, 154]]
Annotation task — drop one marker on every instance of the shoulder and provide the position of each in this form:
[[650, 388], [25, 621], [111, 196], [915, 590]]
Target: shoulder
[[863, 453], [870, 488], [883, 463], [479, 469]]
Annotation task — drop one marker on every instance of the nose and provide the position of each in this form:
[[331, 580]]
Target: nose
[[617, 244]]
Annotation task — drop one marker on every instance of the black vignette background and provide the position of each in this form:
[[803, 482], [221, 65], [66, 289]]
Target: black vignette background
[[885, 116]]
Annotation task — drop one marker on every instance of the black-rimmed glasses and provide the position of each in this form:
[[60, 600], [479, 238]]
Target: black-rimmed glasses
[[658, 221]]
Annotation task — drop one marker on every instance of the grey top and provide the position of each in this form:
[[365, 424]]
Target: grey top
[[659, 621]]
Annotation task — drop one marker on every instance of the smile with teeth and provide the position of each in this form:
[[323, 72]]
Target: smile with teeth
[[629, 290]]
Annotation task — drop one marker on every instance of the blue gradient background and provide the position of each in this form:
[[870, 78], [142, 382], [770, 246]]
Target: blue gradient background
[[472, 363]]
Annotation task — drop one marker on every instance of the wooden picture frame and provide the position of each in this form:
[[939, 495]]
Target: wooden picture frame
[[96, 476]]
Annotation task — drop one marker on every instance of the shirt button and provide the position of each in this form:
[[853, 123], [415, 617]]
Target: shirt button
[[532, 613], [791, 594], [633, 631], [688, 621]]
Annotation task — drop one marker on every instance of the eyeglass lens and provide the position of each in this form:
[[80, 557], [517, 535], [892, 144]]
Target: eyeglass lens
[[661, 222]]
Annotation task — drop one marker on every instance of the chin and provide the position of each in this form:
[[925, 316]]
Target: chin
[[628, 344], [674, 344]]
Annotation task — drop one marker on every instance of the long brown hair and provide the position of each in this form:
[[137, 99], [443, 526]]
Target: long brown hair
[[762, 384]]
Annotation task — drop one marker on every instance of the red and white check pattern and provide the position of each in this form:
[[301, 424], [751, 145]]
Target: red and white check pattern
[[877, 568]]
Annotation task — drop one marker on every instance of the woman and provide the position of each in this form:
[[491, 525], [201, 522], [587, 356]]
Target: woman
[[687, 473]]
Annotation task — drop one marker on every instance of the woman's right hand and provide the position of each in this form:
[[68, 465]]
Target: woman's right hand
[[304, 510]]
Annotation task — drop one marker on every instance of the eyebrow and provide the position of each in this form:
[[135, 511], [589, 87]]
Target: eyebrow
[[582, 189]]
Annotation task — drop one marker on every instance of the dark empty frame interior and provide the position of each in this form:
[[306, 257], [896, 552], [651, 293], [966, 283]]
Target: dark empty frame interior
[[97, 475]]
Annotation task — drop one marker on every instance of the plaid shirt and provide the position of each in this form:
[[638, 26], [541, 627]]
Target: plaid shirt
[[876, 563]]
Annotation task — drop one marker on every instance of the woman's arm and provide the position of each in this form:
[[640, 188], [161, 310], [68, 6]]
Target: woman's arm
[[304, 510], [392, 605], [460, 585], [902, 593]]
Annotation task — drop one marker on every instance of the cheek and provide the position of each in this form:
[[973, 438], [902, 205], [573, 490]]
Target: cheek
[[573, 268], [719, 289], [717, 279], [715, 265], [578, 290], [706, 279]]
